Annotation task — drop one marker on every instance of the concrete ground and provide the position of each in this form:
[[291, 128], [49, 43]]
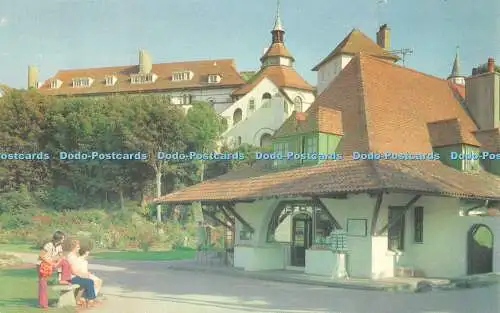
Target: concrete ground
[[151, 287]]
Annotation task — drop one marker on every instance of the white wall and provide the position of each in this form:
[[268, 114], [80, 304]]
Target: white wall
[[264, 119], [221, 96], [328, 71], [443, 252], [306, 96]]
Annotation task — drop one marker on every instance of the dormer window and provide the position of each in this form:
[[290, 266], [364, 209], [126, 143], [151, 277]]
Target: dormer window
[[110, 80], [56, 83], [143, 78], [180, 76], [214, 78], [82, 82]]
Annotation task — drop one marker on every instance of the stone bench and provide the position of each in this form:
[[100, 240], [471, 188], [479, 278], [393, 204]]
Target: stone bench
[[67, 295]]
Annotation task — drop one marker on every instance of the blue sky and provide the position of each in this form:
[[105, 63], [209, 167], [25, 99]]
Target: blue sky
[[59, 34]]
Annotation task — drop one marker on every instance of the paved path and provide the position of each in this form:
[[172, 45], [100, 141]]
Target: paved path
[[150, 287]]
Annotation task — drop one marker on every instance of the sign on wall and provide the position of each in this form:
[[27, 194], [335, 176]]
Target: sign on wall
[[357, 227]]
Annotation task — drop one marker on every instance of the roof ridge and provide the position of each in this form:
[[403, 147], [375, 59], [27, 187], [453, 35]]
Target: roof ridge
[[132, 65], [364, 97], [373, 57]]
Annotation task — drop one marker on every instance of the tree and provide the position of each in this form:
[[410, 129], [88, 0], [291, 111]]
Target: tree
[[22, 125], [157, 127], [204, 128]]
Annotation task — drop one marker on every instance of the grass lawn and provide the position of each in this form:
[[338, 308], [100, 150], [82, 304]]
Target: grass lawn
[[26, 248], [19, 292], [179, 254]]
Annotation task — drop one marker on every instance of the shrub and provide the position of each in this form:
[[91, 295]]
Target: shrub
[[62, 198]]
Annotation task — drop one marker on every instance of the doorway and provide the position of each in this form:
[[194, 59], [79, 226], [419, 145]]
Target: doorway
[[479, 250], [301, 238]]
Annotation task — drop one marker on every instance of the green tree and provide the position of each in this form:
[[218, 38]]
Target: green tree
[[157, 127], [204, 129], [22, 125]]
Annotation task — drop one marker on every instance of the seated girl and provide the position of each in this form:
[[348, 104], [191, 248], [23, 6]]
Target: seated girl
[[80, 276], [84, 254]]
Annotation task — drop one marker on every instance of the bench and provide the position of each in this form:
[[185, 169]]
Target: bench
[[67, 295]]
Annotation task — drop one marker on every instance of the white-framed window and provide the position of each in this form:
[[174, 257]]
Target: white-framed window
[[110, 80], [56, 83], [186, 99], [82, 82], [213, 78], [251, 105], [143, 78], [297, 102], [180, 76]]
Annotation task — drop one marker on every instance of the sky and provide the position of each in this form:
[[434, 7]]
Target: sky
[[63, 34]]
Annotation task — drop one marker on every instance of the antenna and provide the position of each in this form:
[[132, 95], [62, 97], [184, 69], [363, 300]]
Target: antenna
[[403, 53]]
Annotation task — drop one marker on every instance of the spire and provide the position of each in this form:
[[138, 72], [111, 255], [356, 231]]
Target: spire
[[455, 71], [455, 76], [277, 20], [278, 30]]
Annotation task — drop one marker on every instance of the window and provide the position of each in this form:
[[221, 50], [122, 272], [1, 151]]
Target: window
[[310, 144], [396, 228], [143, 78], [213, 79], [251, 105], [237, 116], [418, 227], [179, 76], [298, 104], [110, 80], [470, 164], [82, 82], [56, 83], [279, 227], [266, 100], [280, 148], [186, 99]]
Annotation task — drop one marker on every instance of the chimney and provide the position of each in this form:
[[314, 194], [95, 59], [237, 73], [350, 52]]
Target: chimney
[[491, 65], [32, 76], [145, 65], [300, 116], [383, 37]]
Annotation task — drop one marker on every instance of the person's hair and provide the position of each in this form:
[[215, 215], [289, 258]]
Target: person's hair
[[58, 236], [83, 251]]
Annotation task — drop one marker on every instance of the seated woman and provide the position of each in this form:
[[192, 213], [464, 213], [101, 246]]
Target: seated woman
[[84, 254], [80, 276]]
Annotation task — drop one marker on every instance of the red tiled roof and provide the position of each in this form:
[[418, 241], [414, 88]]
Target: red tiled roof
[[346, 176], [459, 89], [356, 42], [489, 139], [281, 76], [201, 70], [384, 107], [277, 49], [316, 119], [450, 132]]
